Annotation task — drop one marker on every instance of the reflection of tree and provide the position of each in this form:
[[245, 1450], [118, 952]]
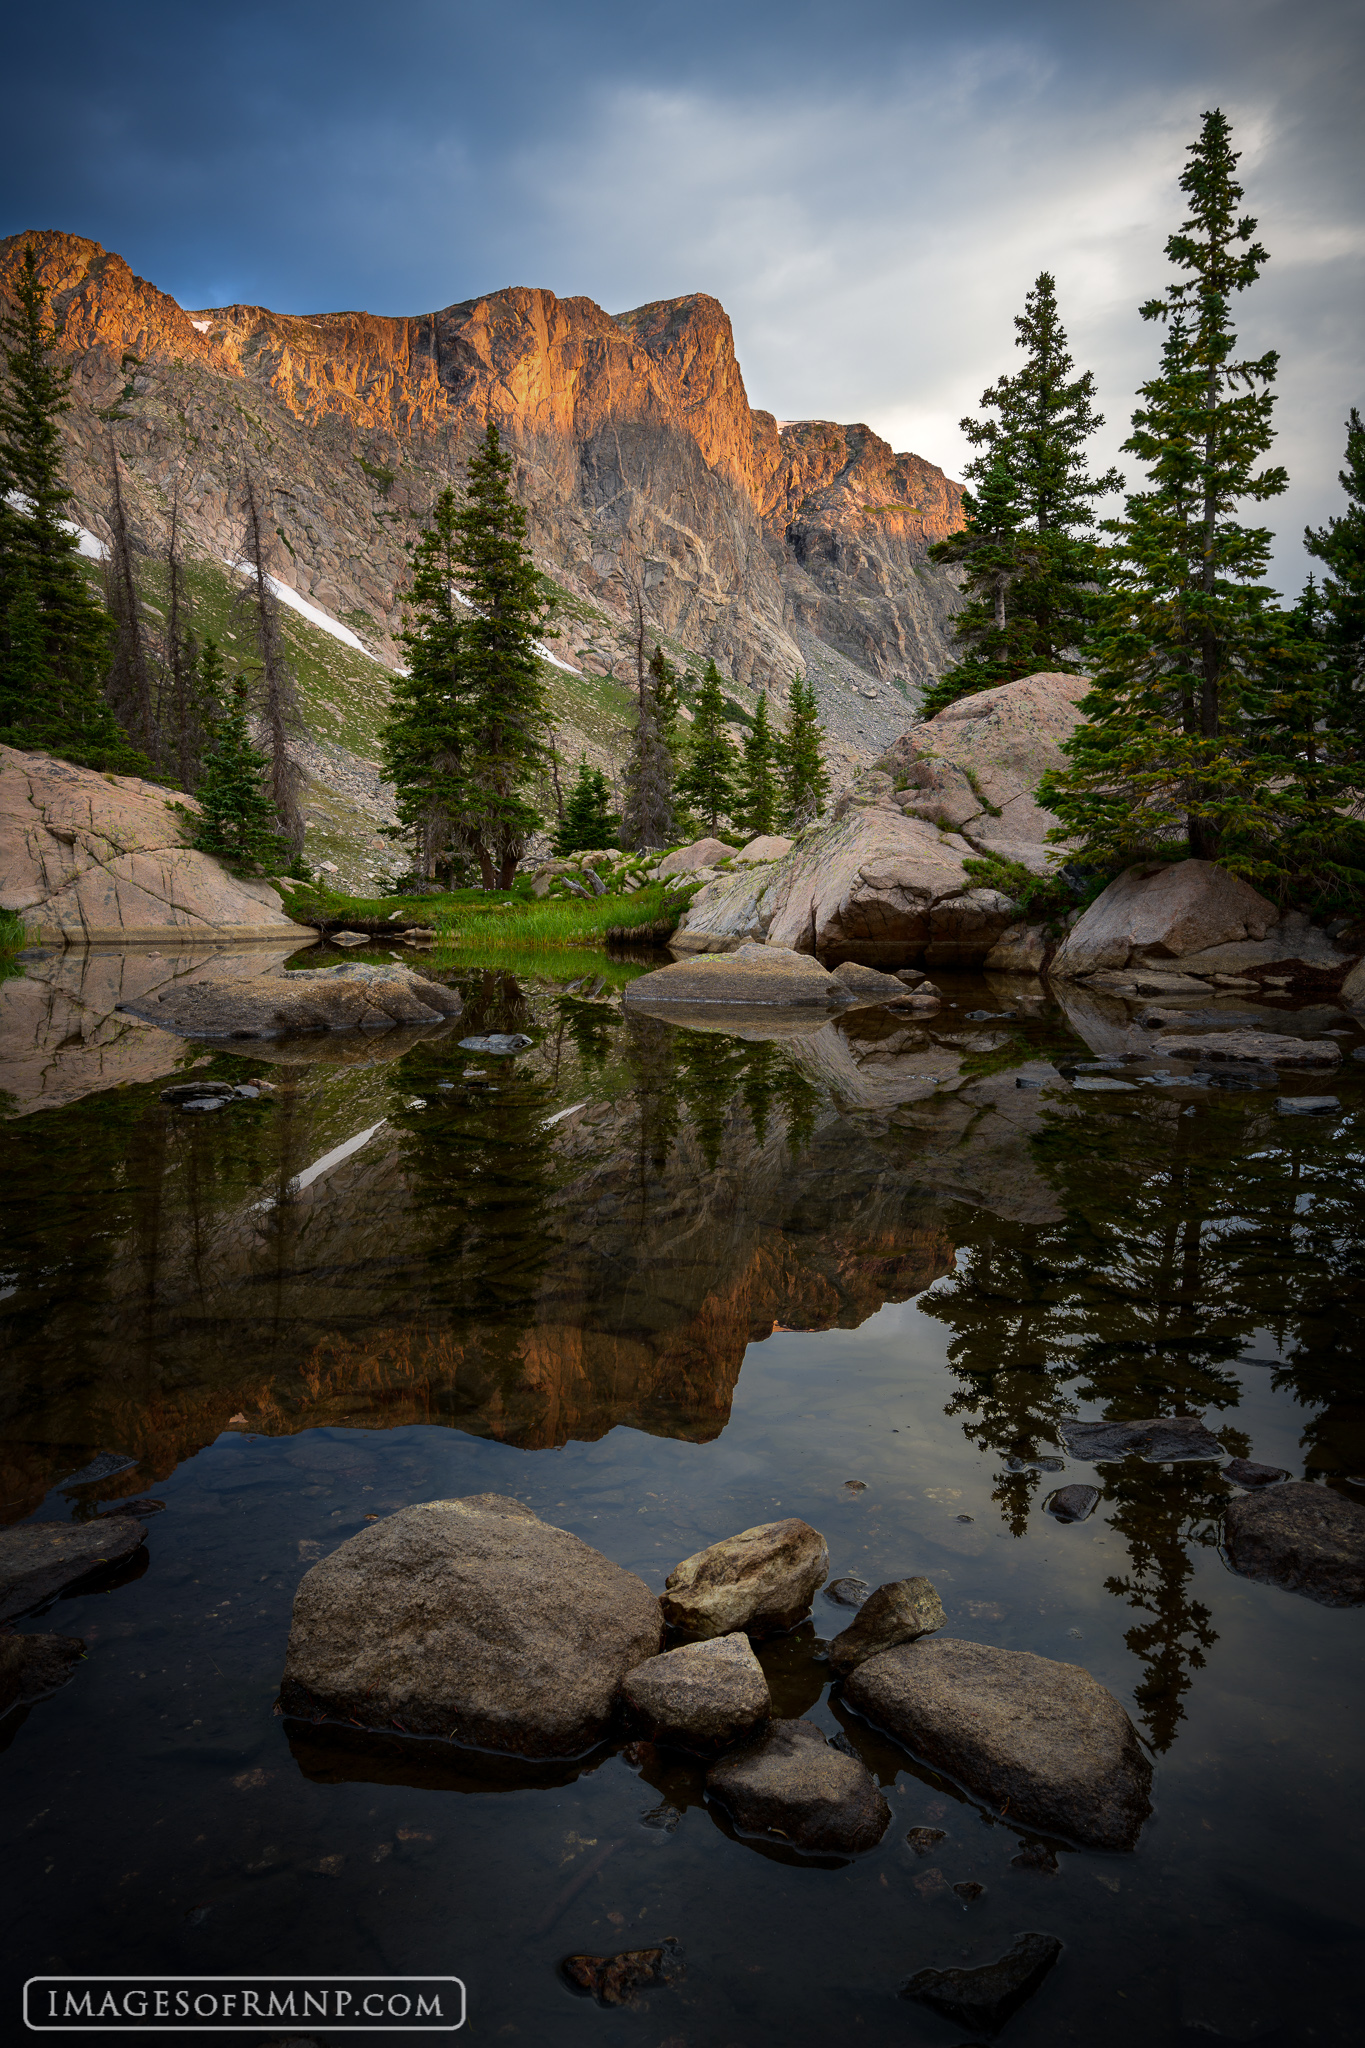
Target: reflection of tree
[[1181, 1237]]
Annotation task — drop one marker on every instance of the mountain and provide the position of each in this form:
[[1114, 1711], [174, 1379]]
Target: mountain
[[769, 546]]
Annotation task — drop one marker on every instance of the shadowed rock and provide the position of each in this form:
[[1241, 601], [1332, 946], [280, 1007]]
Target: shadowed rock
[[1073, 1503], [1304, 1538], [1161, 1439], [897, 1613], [1243, 1472], [870, 985], [1041, 1741], [616, 1980], [472, 1620], [39, 1559], [1261, 1048], [750, 974], [1168, 909], [983, 1999], [703, 1696], [33, 1666], [352, 997], [762, 1581], [796, 1785]]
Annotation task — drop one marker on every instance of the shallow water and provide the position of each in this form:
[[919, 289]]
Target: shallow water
[[744, 1271]]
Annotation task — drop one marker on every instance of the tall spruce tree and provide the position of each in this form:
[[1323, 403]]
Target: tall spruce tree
[[54, 636], [424, 738], [667, 698], [1031, 559], [506, 721], [589, 823], [189, 707], [236, 819], [708, 776], [1173, 745], [277, 687], [759, 789], [647, 807], [1340, 547], [801, 766], [131, 686]]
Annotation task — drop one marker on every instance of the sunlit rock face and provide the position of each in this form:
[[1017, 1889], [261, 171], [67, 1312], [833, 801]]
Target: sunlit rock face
[[756, 540]]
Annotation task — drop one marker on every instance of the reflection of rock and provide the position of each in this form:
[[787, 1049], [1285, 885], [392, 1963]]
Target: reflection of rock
[[33, 1666], [796, 1785], [39, 1559], [897, 1613], [984, 1998], [703, 1696], [1020, 950], [762, 1580], [62, 1033], [471, 1620], [1303, 1537], [1042, 1741], [353, 997], [87, 857]]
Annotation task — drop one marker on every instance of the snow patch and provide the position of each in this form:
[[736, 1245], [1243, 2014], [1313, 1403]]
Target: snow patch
[[201, 326], [287, 595], [541, 649]]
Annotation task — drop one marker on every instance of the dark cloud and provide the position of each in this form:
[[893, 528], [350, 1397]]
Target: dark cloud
[[868, 188]]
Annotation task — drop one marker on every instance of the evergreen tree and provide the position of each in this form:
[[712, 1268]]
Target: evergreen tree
[[708, 776], [801, 766], [423, 740], [1174, 740], [1031, 560], [664, 687], [236, 820], [647, 811], [759, 791], [277, 686], [54, 637], [129, 685], [1340, 547], [189, 710], [589, 822], [506, 722]]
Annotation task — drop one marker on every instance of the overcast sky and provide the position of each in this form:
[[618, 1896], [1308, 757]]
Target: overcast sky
[[869, 187]]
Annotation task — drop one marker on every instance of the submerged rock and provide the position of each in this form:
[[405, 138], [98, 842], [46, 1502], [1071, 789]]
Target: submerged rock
[[33, 1666], [503, 1042], [796, 1785], [900, 1612], [1302, 1537], [1242, 1471], [1257, 1048], [847, 1592], [1073, 1503], [703, 1696], [1042, 1741], [764, 975], [352, 997], [1161, 1439], [472, 1620], [615, 1980], [762, 1580], [922, 1840], [984, 1998], [40, 1559]]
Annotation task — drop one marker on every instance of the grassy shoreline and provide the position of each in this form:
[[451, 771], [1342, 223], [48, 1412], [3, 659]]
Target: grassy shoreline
[[470, 918]]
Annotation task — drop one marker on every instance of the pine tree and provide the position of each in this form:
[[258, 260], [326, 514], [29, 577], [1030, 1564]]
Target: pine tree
[[647, 809], [54, 637], [129, 686], [1340, 547], [801, 766], [1172, 743], [589, 822], [189, 711], [277, 687], [1035, 608], [423, 740], [664, 686], [236, 820], [759, 791], [708, 776], [506, 723]]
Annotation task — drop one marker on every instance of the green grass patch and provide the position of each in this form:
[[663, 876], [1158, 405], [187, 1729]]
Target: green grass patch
[[545, 924]]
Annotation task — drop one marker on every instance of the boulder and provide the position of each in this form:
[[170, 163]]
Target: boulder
[[768, 846], [762, 1581], [764, 975], [897, 1613], [1020, 950], [870, 985], [33, 1666], [1041, 1741], [703, 853], [1353, 988], [703, 1696], [1161, 1439], [1073, 1503], [1302, 1537], [471, 1620], [86, 857], [1172, 909], [796, 1785], [40, 1559], [872, 886], [1242, 1472], [352, 997], [1263, 1048], [983, 1999], [976, 765]]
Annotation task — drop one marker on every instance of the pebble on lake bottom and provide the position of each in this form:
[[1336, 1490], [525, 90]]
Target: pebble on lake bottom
[[922, 1840], [616, 1980]]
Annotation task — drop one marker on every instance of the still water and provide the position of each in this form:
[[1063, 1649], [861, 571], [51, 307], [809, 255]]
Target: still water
[[852, 1271]]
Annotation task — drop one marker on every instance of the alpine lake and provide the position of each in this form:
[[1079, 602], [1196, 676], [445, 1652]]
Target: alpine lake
[[663, 1282]]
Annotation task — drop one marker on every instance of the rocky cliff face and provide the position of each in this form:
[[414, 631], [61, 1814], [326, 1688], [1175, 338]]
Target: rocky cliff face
[[768, 546]]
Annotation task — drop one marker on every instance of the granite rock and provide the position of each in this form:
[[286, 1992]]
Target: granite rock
[[984, 1998], [1305, 1538], [40, 1559], [1161, 1439], [352, 997], [899, 1612], [762, 1581], [702, 1696], [797, 1786], [1165, 908], [33, 1666]]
